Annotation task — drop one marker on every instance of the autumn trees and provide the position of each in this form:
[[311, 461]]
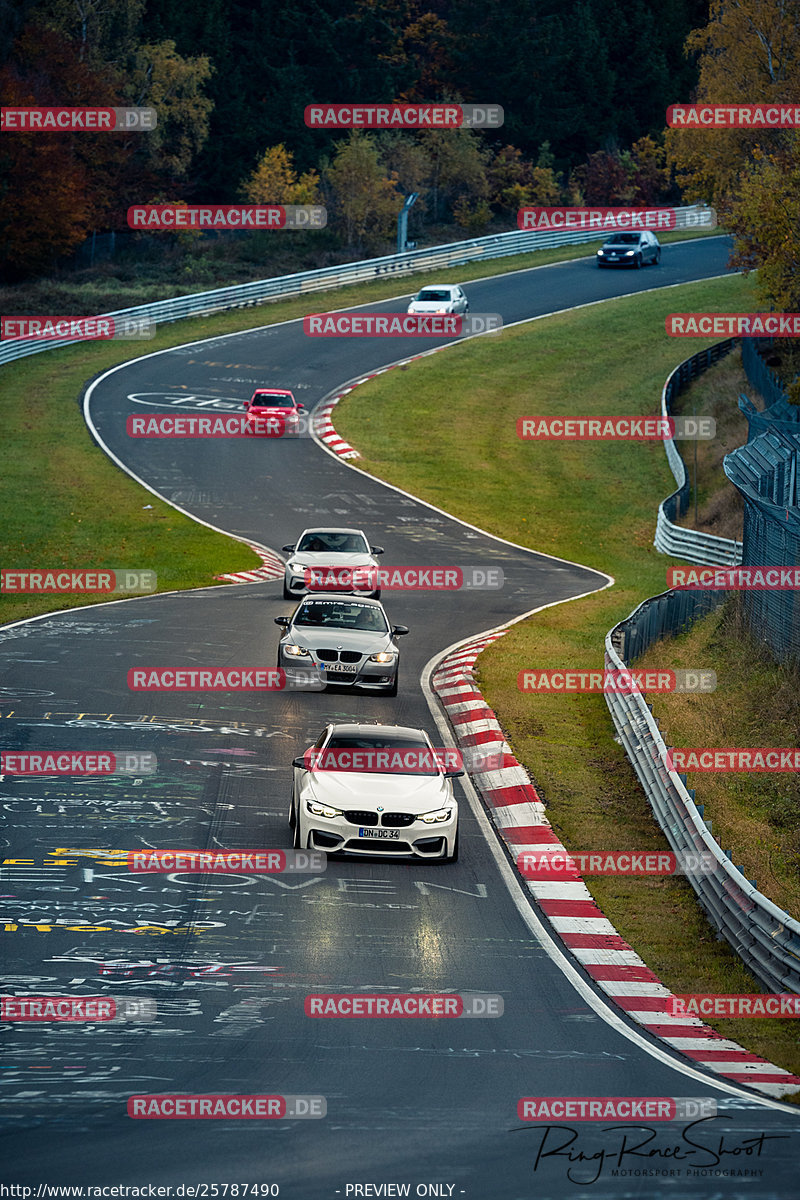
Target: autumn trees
[[749, 52], [58, 187]]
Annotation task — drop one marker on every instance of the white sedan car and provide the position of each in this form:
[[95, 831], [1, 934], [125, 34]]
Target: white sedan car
[[439, 298], [325, 547], [407, 811]]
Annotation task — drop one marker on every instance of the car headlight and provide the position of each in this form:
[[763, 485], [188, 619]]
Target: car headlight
[[629, 253], [383, 656], [438, 814], [601, 251], [295, 650], [322, 810], [295, 566]]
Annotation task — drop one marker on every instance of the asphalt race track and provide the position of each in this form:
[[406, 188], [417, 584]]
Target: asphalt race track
[[229, 959]]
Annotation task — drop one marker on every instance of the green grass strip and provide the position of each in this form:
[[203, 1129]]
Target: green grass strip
[[444, 429]]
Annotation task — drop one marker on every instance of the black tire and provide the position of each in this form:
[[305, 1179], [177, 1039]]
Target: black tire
[[454, 856], [287, 595], [292, 818], [657, 259], [393, 689], [296, 836], [638, 263]]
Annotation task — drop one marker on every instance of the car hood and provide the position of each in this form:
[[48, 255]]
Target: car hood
[[621, 246], [366, 641], [362, 789]]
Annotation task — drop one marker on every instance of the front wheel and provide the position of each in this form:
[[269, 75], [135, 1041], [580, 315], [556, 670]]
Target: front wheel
[[657, 258], [393, 689], [296, 842], [638, 263], [287, 595]]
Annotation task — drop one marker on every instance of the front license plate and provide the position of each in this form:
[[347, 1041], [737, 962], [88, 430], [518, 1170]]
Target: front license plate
[[343, 668], [379, 833]]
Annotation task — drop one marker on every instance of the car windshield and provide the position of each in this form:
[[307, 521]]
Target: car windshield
[[434, 294], [342, 614], [422, 761], [623, 239], [330, 542], [272, 402]]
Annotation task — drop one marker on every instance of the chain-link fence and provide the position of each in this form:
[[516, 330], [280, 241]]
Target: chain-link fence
[[765, 472], [760, 375]]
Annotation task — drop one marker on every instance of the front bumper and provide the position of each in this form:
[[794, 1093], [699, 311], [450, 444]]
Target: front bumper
[[378, 677], [419, 840]]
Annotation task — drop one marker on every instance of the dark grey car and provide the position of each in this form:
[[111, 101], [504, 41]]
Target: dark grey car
[[630, 250]]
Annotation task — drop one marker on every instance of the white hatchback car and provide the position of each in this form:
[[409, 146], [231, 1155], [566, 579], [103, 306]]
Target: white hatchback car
[[439, 298], [325, 547], [397, 812]]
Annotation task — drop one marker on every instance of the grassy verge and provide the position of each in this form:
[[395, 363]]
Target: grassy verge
[[757, 703], [67, 505], [715, 393], [590, 502]]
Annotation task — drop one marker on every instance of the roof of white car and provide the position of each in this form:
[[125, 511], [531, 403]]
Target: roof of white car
[[354, 729], [330, 529], [343, 598]]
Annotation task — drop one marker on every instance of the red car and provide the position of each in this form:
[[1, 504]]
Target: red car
[[274, 412]]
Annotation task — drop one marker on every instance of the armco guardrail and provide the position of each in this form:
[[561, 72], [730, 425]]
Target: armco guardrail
[[690, 545], [245, 295], [765, 937]]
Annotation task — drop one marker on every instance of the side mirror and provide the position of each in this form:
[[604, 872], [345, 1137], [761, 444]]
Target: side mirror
[[288, 548], [281, 620], [300, 408], [377, 550], [299, 762], [399, 629], [453, 774]]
